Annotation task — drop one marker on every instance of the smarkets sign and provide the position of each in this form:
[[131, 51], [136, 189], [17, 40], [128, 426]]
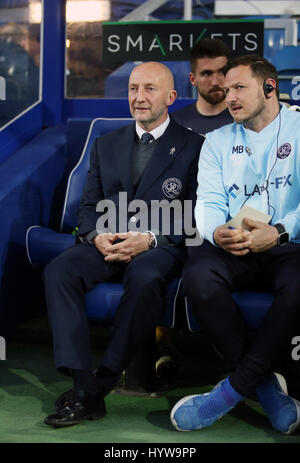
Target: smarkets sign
[[172, 40]]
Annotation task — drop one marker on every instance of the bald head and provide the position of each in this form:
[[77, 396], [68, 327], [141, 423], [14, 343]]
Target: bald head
[[153, 67], [150, 93]]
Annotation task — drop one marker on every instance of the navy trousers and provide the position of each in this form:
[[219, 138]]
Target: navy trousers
[[211, 275], [76, 271]]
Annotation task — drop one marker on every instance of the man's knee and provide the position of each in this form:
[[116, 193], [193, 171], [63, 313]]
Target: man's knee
[[143, 279], [59, 269], [52, 273], [198, 280], [289, 296]]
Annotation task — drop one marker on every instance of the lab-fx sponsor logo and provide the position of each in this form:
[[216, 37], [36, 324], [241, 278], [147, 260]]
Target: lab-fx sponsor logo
[[279, 182], [234, 191]]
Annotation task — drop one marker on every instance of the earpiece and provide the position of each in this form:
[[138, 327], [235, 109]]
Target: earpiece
[[267, 88]]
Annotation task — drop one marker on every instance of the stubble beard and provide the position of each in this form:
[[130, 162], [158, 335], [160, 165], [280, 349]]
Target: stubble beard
[[151, 119], [250, 120], [212, 98]]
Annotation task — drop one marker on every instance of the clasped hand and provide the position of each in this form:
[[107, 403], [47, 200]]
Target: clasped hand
[[123, 251], [256, 237]]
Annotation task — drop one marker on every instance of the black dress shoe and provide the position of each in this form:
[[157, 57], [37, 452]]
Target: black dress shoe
[[80, 407], [70, 395], [63, 399], [166, 364], [166, 367]]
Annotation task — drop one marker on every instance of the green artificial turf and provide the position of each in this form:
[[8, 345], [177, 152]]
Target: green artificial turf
[[30, 385]]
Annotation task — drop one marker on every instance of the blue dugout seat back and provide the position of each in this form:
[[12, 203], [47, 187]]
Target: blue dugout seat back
[[78, 175], [287, 59], [252, 305], [287, 63], [44, 244], [273, 38], [116, 84], [273, 42]]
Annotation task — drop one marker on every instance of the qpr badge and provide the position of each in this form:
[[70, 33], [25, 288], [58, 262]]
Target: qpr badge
[[172, 187], [284, 151]]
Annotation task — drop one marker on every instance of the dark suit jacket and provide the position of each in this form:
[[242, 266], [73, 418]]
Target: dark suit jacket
[[170, 174]]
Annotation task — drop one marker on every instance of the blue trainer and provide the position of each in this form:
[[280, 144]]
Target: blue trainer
[[202, 410], [283, 411]]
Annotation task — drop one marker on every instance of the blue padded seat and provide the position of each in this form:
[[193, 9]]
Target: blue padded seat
[[287, 59], [253, 306], [78, 175], [287, 63], [43, 244], [108, 295], [116, 84]]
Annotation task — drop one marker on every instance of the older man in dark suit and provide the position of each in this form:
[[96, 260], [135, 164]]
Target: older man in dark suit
[[153, 159]]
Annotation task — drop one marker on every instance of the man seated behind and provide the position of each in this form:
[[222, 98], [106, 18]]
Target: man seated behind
[[253, 162], [208, 58], [151, 159]]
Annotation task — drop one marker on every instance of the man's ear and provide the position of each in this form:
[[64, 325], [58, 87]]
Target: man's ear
[[192, 79], [171, 97]]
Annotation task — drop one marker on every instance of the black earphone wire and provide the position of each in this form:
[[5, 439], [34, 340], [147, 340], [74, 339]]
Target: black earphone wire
[[266, 182], [267, 187]]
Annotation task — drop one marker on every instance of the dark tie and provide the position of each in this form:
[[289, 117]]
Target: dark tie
[[146, 138]]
